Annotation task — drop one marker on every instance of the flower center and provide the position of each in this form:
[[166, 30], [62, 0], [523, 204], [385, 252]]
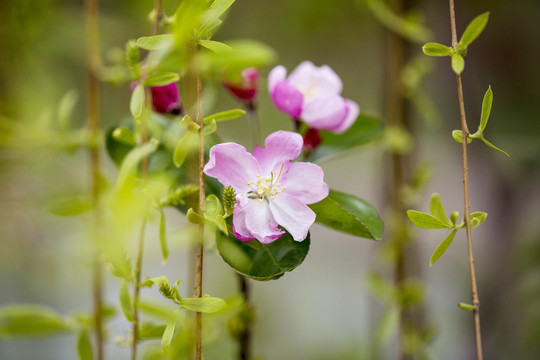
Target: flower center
[[266, 188]]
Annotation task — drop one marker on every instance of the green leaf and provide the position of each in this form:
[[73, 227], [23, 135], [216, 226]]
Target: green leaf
[[190, 125], [194, 218], [205, 304], [466, 307], [163, 235], [136, 105], [269, 262], [149, 330], [65, 108], [132, 159], [427, 221], [365, 130], [242, 54], [381, 287], [477, 218], [349, 214], [169, 331], [437, 209], [124, 135], [458, 64], [458, 136], [486, 109], [160, 79], [84, 346], [210, 128], [74, 205], [125, 301], [116, 149], [185, 145], [215, 46], [435, 49], [474, 29], [224, 115], [217, 9], [388, 324], [493, 146], [443, 246], [165, 288], [30, 320], [154, 42], [214, 213]]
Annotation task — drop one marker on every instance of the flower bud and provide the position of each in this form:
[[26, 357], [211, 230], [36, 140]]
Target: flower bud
[[312, 139], [245, 88], [166, 99]]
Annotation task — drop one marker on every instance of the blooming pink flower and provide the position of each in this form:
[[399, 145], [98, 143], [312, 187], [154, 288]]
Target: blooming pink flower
[[245, 89], [312, 94], [271, 190]]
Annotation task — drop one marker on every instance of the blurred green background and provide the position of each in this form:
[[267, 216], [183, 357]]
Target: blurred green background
[[322, 310]]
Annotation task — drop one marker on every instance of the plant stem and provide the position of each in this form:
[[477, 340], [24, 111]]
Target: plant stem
[[245, 335], [255, 125], [200, 243], [464, 128], [93, 124], [157, 19]]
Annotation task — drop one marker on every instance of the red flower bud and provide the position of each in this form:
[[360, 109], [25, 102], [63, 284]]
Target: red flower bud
[[244, 89], [312, 139]]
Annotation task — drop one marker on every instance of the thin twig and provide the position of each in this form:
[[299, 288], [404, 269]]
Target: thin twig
[[200, 243], [136, 290], [93, 123], [474, 290], [158, 14]]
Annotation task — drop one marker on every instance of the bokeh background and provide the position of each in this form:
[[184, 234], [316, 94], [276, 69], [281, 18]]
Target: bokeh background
[[323, 309]]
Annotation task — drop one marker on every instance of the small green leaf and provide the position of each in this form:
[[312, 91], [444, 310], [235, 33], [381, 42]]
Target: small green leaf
[[381, 287], [454, 217], [388, 324], [426, 221], [458, 64], [210, 128], [214, 213], [194, 218], [443, 246], [163, 235], [154, 42], [186, 144], [136, 104], [224, 115], [215, 46], [486, 109], [474, 29], [161, 79], [206, 304], [190, 125], [466, 307], [124, 135], [458, 136], [169, 332], [65, 108], [165, 288], [461, 49], [437, 209], [493, 146], [435, 49], [149, 330], [477, 218], [125, 301], [84, 346], [209, 17], [30, 320], [349, 214]]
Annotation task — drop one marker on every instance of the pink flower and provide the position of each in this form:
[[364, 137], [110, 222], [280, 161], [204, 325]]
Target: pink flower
[[244, 89], [271, 190], [166, 99], [312, 94]]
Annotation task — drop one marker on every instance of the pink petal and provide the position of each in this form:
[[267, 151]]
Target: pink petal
[[352, 111], [325, 112], [276, 75], [293, 215], [280, 148], [287, 98], [240, 229], [232, 165], [304, 181], [315, 80], [260, 223]]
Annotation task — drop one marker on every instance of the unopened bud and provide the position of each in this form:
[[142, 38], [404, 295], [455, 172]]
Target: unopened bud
[[245, 87], [312, 140]]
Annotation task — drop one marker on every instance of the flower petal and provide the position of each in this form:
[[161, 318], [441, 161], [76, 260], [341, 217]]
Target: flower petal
[[315, 81], [260, 223], [240, 229], [280, 148], [352, 111], [304, 181], [293, 215], [276, 75], [232, 165], [324, 112], [288, 99]]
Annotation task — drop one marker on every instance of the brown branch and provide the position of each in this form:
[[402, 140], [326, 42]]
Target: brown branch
[[474, 289], [93, 124]]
